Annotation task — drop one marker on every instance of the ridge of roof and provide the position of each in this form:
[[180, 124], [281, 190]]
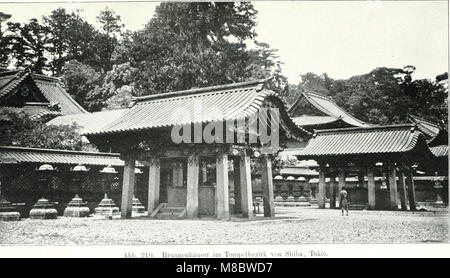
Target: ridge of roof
[[195, 91], [308, 93], [55, 151], [420, 119], [413, 127]]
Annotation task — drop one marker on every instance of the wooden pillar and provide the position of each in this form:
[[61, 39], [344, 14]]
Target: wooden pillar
[[222, 199], [177, 174], [371, 188], [361, 178], [332, 191], [246, 187], [204, 173], [127, 187], [401, 183], [237, 185], [411, 190], [392, 187], [154, 174], [267, 185], [192, 186], [341, 179], [321, 197]]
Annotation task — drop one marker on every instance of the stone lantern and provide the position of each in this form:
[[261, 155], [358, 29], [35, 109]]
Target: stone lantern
[[7, 210], [43, 209], [107, 205], [76, 207]]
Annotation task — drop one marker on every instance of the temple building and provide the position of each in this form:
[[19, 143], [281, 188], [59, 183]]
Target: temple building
[[145, 133], [313, 111], [384, 151], [35, 94]]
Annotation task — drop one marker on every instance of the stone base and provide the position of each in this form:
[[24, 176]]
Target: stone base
[[43, 213], [138, 209], [77, 212], [106, 210], [9, 216]]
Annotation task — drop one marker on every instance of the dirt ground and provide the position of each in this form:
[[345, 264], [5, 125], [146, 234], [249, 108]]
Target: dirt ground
[[291, 225]]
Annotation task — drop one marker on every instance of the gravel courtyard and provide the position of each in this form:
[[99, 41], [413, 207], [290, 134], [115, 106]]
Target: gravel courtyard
[[291, 225]]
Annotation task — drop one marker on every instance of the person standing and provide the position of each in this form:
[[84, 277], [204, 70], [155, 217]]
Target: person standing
[[344, 200]]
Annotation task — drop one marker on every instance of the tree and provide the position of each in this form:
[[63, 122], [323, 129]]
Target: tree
[[189, 45], [57, 24], [3, 42], [384, 95], [106, 41], [19, 130], [81, 81], [28, 44]]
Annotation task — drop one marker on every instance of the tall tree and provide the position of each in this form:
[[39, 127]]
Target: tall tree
[[384, 95], [82, 81], [191, 45], [29, 44], [57, 24], [4, 51], [106, 41]]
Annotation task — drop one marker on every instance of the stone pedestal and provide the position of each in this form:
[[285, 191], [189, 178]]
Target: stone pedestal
[[106, 207], [77, 208], [7, 211], [43, 209], [137, 206]]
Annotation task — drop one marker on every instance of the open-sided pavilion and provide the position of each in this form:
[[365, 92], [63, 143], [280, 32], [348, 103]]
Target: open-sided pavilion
[[389, 151], [236, 115]]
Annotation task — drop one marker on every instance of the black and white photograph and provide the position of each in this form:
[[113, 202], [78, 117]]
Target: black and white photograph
[[224, 129]]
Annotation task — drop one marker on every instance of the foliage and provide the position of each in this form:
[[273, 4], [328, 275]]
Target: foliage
[[82, 83], [189, 45], [383, 96], [19, 130], [28, 44]]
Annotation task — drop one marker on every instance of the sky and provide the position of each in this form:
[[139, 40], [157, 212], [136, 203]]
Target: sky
[[341, 39]]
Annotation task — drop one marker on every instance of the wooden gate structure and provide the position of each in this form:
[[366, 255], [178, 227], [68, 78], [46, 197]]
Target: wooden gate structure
[[145, 133]]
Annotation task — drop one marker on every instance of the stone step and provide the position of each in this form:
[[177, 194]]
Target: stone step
[[357, 206], [171, 213], [173, 210]]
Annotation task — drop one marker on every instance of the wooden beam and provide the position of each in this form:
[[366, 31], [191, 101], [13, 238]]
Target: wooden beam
[[392, 187], [237, 185], [154, 173], [401, 183], [246, 187], [222, 197], [321, 197], [192, 186], [411, 190], [333, 191], [267, 185], [371, 188], [127, 188]]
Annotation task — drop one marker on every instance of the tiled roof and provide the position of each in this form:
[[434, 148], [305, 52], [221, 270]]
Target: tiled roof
[[440, 151], [10, 155], [298, 171], [327, 106], [55, 93], [218, 103], [89, 122], [430, 129], [392, 139], [50, 88], [307, 120]]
